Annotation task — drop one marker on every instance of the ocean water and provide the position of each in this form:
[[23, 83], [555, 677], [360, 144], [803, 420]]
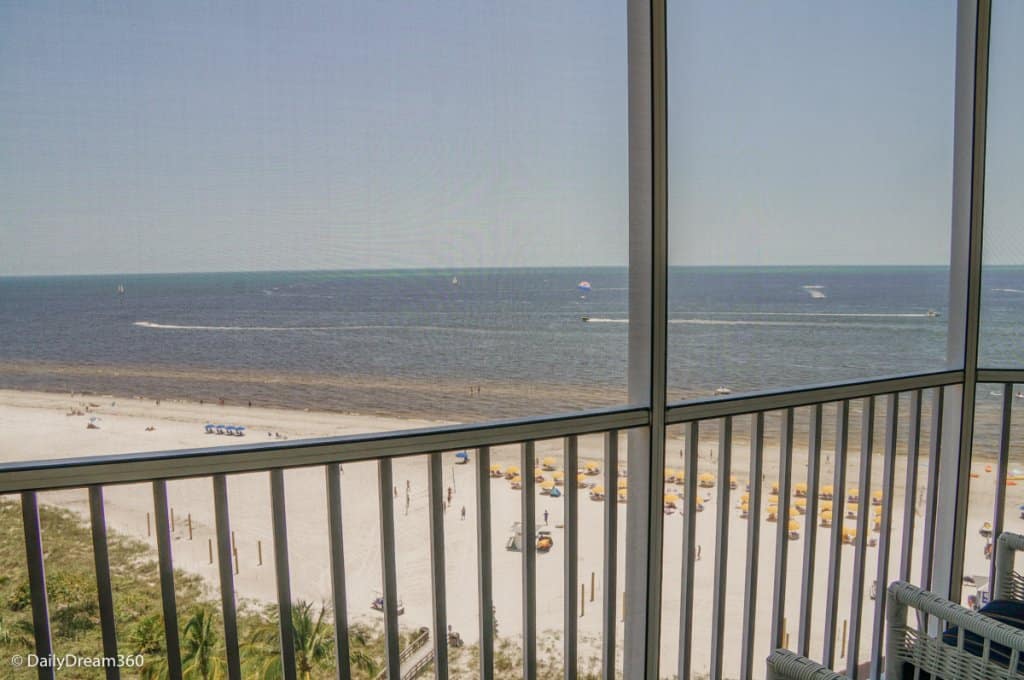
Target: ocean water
[[498, 343]]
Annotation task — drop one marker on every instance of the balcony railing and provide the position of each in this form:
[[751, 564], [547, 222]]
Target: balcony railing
[[799, 571]]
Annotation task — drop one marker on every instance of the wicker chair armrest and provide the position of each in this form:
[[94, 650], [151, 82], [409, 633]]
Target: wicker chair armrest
[[786, 665], [1006, 546], [961, 617]]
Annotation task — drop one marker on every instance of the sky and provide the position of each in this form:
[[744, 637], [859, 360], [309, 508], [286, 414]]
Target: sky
[[150, 136]]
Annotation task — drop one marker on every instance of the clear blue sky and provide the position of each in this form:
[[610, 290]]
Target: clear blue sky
[[194, 136]]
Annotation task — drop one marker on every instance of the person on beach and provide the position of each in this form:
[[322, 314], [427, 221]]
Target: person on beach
[[545, 516], [698, 551], [463, 513]]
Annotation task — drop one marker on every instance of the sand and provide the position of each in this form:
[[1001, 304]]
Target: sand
[[35, 425]]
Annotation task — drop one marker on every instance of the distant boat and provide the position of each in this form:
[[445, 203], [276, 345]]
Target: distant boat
[[584, 286], [722, 391], [932, 312], [120, 289], [584, 318], [455, 280]]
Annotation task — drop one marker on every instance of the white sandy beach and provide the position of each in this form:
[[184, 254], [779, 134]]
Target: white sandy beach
[[35, 425]]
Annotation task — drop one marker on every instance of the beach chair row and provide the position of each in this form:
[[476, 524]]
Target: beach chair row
[[942, 639], [231, 430]]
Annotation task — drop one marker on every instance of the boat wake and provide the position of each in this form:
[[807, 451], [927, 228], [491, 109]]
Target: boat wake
[[815, 291], [1008, 290], [766, 322]]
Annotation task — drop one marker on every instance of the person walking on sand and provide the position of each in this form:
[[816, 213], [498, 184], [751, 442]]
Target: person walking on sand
[[463, 513], [698, 551], [545, 517]]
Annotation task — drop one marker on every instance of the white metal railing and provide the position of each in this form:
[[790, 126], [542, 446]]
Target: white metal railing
[[96, 473]]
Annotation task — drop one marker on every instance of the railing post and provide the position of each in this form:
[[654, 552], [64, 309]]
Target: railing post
[[969, 122]]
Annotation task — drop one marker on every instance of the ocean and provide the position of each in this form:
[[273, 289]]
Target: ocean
[[479, 343]]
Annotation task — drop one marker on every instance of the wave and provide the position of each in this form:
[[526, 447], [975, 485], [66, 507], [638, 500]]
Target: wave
[[756, 322], [815, 291], [1008, 290], [848, 315], [177, 327]]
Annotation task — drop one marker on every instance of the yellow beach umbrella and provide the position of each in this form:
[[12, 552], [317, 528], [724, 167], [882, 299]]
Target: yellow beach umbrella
[[548, 463], [512, 470], [558, 475], [599, 489], [826, 515], [851, 510], [548, 485], [849, 534], [592, 467], [495, 467], [794, 525], [538, 473], [800, 489], [623, 483], [581, 477], [699, 503], [671, 499], [744, 506], [706, 480], [744, 498], [732, 482], [826, 505], [800, 504], [876, 498], [793, 512], [622, 494], [773, 498], [775, 488], [853, 494], [826, 492]]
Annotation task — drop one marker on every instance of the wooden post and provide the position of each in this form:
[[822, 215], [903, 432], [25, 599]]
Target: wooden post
[[149, 530], [172, 520], [259, 553], [842, 654], [209, 545], [188, 521], [234, 546], [583, 597], [591, 586], [234, 551]]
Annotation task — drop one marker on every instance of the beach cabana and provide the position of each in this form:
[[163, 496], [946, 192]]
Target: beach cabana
[[800, 490], [462, 457], [511, 471], [591, 468], [495, 470], [826, 518], [794, 529], [558, 477], [706, 480], [597, 493], [876, 498], [826, 492], [548, 463], [546, 487]]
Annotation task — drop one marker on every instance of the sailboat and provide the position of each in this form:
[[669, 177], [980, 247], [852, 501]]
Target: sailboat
[[120, 289], [455, 280]]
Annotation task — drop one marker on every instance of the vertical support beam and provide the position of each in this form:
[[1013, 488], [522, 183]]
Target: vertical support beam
[[611, 554], [227, 576], [910, 490], [835, 552], [104, 592], [440, 597], [687, 578], [969, 129], [892, 413], [484, 583], [279, 523], [36, 581], [931, 503], [170, 607], [571, 500], [339, 596], [718, 605], [810, 530], [999, 509], [648, 273], [782, 530], [867, 445], [389, 579], [747, 660], [528, 460]]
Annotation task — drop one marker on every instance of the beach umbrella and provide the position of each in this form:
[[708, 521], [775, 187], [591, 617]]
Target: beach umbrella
[[516, 480], [548, 486], [462, 455], [623, 483], [699, 503], [671, 499], [876, 497], [826, 505], [849, 534], [538, 474], [744, 498], [775, 488], [706, 479], [622, 494], [800, 489], [826, 491], [793, 512], [733, 483], [851, 510], [826, 515], [581, 477], [584, 286], [800, 504], [597, 490], [591, 466], [512, 470], [773, 498], [853, 494], [744, 506], [549, 463], [495, 468], [793, 525], [558, 475]]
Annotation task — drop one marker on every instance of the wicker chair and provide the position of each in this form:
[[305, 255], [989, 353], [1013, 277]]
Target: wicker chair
[[1009, 584], [785, 665], [912, 644]]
